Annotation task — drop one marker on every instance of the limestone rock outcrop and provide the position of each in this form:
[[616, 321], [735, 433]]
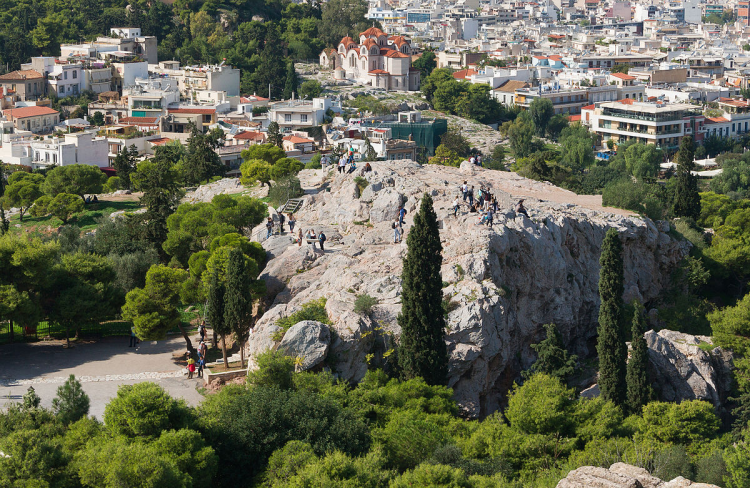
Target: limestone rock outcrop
[[621, 475], [502, 283], [686, 367], [308, 341]]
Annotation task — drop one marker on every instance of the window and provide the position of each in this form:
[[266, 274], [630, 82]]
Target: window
[[287, 117], [65, 75], [75, 74], [303, 118]]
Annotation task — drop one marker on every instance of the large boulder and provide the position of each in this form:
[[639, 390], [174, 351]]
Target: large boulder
[[687, 367], [307, 340], [621, 475], [502, 283]]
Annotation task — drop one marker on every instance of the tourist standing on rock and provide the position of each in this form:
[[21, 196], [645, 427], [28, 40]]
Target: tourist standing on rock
[[465, 190], [269, 227], [282, 219], [342, 163], [190, 367], [397, 231], [299, 237], [401, 215], [321, 240], [455, 207], [471, 195], [291, 222], [520, 209], [490, 217]]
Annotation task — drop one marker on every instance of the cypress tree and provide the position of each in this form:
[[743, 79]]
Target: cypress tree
[[638, 387], [291, 80], [422, 351], [687, 201], [611, 343], [215, 311], [237, 300], [274, 134]]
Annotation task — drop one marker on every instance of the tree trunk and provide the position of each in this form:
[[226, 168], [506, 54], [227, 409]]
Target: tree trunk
[[187, 339], [11, 332], [224, 351], [213, 337], [242, 355]]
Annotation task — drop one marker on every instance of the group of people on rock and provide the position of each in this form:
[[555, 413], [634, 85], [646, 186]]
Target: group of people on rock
[[482, 202], [311, 237]]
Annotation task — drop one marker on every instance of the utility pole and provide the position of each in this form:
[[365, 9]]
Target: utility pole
[[269, 92]]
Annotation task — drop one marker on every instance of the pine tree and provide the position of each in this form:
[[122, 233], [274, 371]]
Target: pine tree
[[687, 201], [611, 344], [552, 358], [638, 387], [215, 311], [274, 134], [71, 402], [422, 351], [370, 153], [290, 86], [238, 300]]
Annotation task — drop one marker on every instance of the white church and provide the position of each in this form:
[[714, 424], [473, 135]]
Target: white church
[[378, 60]]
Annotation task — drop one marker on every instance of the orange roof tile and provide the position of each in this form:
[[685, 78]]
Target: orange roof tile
[[250, 135], [716, 120], [464, 73], [18, 75], [378, 72], [138, 120], [372, 31], [589, 107], [346, 41], [626, 101], [23, 112], [396, 54], [574, 118], [623, 76], [160, 141], [369, 43], [297, 140]]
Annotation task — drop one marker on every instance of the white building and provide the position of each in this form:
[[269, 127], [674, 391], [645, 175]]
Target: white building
[[76, 148], [294, 114], [197, 78]]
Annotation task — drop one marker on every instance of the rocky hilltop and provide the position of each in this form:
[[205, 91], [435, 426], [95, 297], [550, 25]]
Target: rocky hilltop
[[502, 283], [621, 475]]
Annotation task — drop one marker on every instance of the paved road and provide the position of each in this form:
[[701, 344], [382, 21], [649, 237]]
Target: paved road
[[101, 366]]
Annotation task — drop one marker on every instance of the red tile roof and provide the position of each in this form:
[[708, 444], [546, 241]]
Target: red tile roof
[[138, 120], [297, 140], [396, 54], [372, 31], [623, 76], [160, 141], [254, 98], [23, 112], [589, 107], [626, 101], [19, 75], [378, 72], [716, 120], [574, 118], [196, 111], [464, 73], [250, 135]]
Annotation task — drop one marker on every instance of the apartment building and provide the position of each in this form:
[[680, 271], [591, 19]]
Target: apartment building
[[76, 148], [294, 114], [33, 119], [650, 123], [735, 121], [25, 84], [196, 78]]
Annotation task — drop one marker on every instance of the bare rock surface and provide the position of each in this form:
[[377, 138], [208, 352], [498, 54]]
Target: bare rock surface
[[682, 370], [621, 475], [503, 283], [308, 341]]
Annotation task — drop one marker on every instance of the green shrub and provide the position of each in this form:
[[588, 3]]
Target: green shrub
[[711, 469], [410, 437], [246, 425], [672, 462], [145, 410], [287, 461], [71, 402], [638, 196], [686, 229], [312, 310], [434, 475], [274, 370], [364, 303], [284, 189], [314, 162], [541, 406], [361, 184]]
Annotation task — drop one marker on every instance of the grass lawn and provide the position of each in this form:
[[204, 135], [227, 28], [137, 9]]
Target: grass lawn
[[85, 220]]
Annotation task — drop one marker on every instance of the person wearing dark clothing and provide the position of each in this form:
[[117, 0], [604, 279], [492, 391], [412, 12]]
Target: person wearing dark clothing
[[520, 209], [133, 338], [367, 168], [490, 216], [291, 222], [471, 196], [282, 219], [321, 240], [401, 215]]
